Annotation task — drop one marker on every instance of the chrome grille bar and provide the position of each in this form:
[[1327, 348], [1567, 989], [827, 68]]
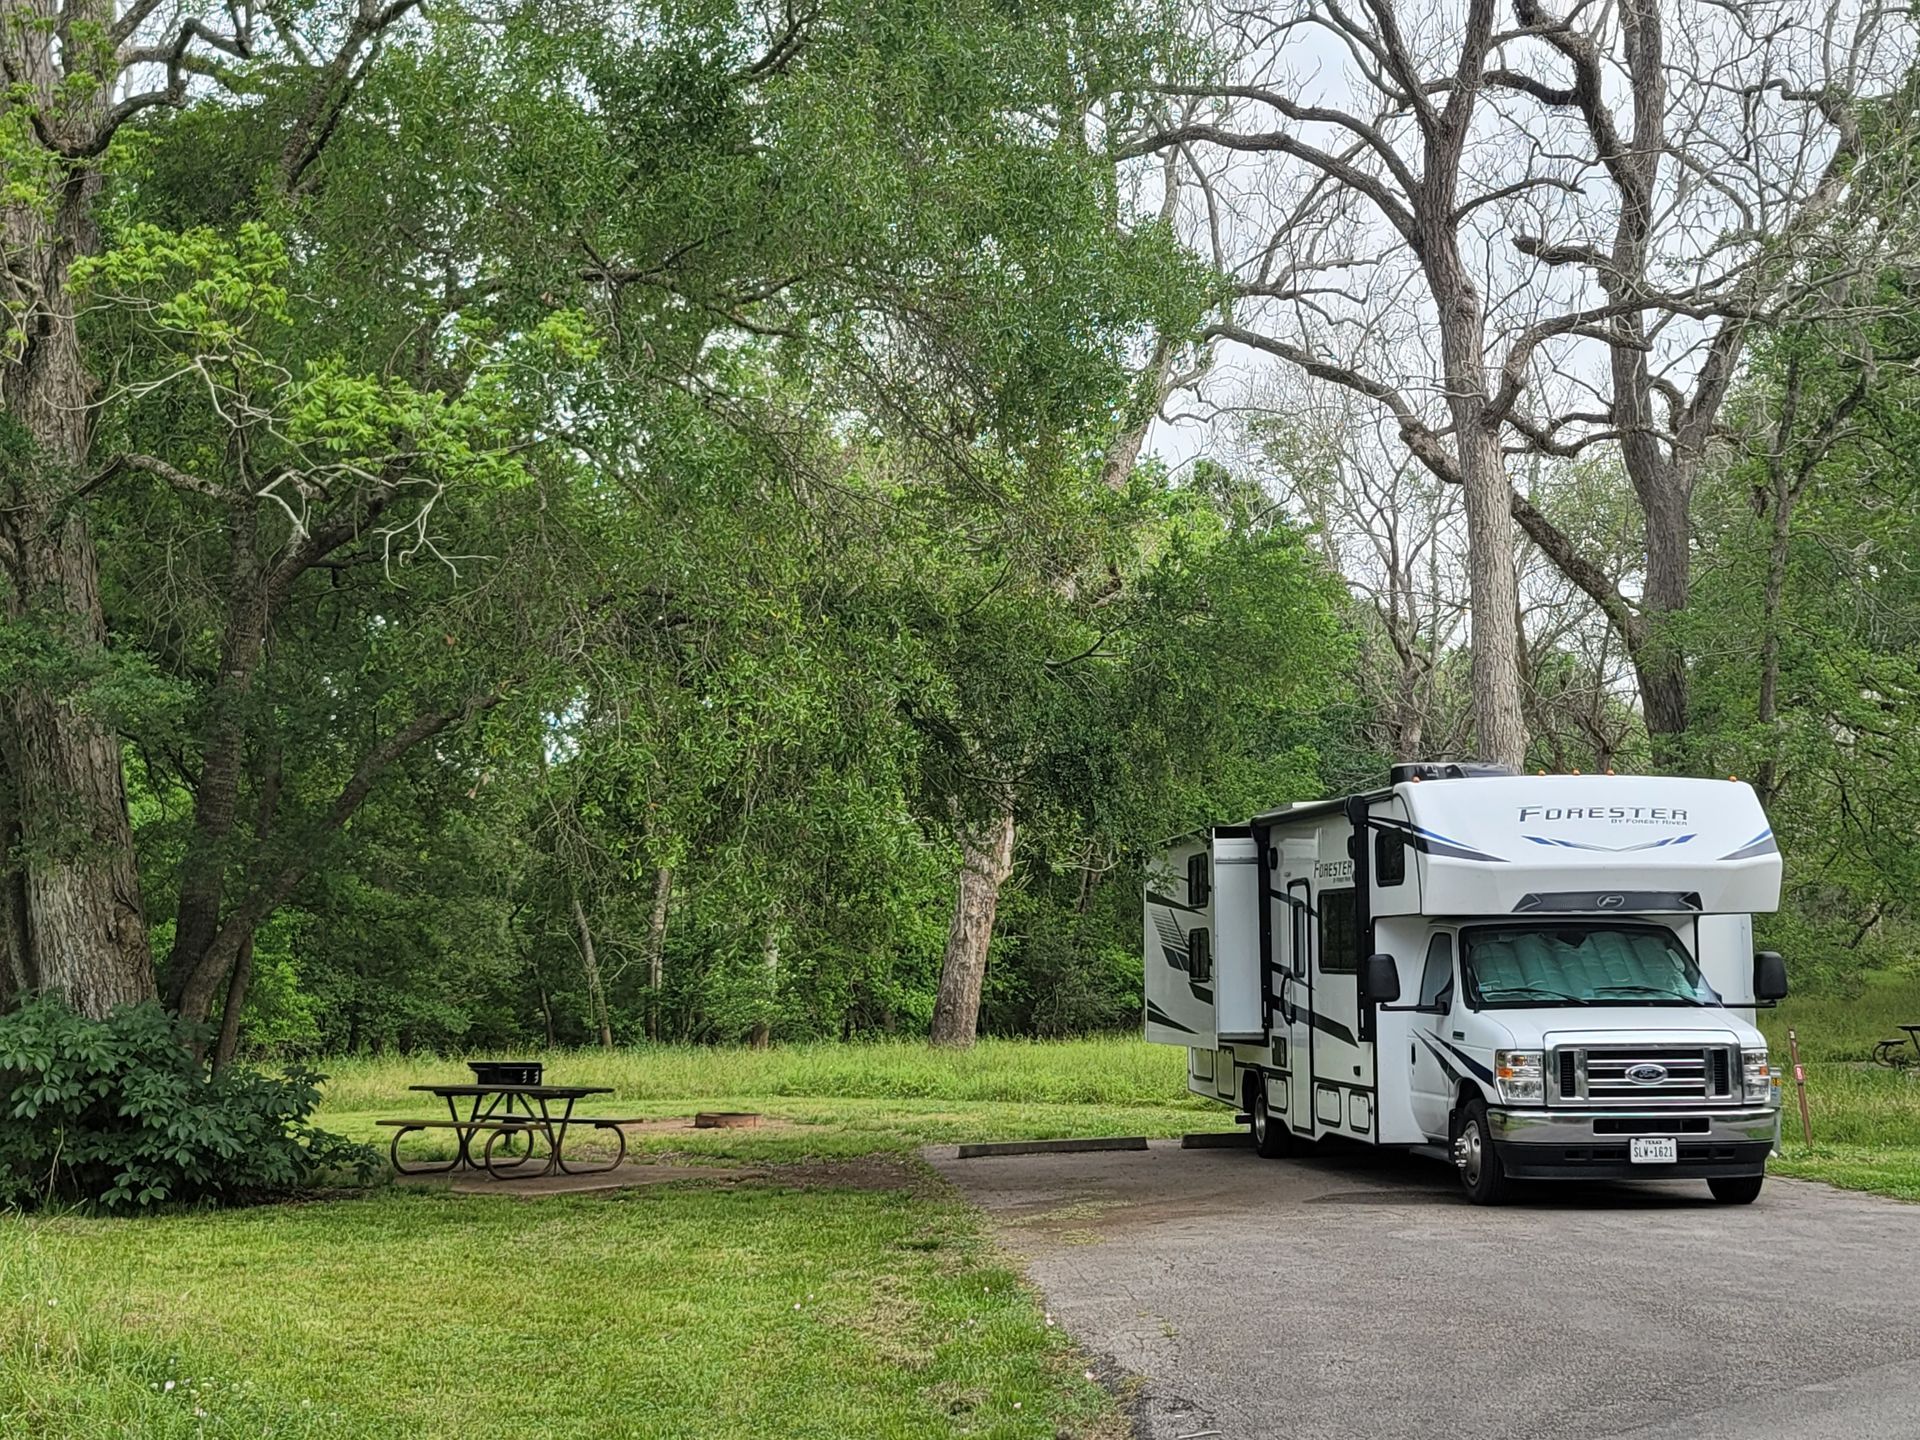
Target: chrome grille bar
[[1599, 1075]]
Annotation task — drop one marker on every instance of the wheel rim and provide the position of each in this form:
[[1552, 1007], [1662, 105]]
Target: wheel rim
[[1472, 1151], [1260, 1118]]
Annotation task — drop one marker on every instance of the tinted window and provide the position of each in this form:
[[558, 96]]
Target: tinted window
[[1199, 954], [1437, 978], [1197, 878], [1389, 858], [1336, 933]]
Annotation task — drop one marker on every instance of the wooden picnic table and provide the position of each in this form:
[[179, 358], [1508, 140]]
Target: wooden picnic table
[[509, 1113]]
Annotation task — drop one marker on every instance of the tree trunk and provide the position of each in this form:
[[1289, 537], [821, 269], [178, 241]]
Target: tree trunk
[[1493, 581], [596, 992], [657, 946], [237, 982], [82, 892], [1766, 780], [17, 979], [1659, 660], [1493, 589], [1090, 876], [770, 963], [216, 790], [266, 807], [199, 986], [986, 860]]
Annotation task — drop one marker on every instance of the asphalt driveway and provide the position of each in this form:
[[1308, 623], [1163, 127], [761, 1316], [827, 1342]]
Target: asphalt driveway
[[1359, 1296]]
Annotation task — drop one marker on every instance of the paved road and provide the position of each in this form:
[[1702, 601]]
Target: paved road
[[1359, 1296]]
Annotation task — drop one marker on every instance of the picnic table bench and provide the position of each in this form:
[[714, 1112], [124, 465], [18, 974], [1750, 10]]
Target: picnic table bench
[[509, 1114], [1894, 1052]]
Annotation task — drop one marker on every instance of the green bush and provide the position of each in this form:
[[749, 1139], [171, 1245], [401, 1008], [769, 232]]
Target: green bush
[[119, 1113]]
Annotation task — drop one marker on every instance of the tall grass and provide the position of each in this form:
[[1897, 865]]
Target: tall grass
[[1108, 1071], [1834, 1027]]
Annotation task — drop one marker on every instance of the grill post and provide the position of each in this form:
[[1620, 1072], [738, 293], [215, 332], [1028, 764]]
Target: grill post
[[1800, 1084]]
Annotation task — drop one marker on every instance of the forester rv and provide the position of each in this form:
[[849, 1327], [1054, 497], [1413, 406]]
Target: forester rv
[[1532, 977]]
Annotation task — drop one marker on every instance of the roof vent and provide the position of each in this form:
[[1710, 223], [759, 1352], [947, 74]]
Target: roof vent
[[1444, 770]]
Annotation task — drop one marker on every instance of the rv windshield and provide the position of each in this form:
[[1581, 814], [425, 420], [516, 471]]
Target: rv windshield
[[1508, 966]]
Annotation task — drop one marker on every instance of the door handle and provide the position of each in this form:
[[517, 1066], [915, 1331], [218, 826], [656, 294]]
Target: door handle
[[1413, 1054], [1459, 1034]]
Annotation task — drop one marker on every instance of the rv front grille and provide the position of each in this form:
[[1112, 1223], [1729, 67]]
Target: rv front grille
[[1651, 1124], [1637, 1075]]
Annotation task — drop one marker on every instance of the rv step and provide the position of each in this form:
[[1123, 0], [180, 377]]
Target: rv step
[[1042, 1147], [1243, 1119]]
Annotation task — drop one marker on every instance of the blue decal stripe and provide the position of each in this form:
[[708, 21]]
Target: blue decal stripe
[[1761, 844], [1437, 844], [1467, 1060], [1440, 1056], [1560, 844]]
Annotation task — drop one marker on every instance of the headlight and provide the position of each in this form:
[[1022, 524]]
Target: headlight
[[1521, 1075], [1756, 1076]]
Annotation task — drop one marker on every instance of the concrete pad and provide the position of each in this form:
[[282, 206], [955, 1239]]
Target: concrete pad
[[1051, 1147], [1359, 1295]]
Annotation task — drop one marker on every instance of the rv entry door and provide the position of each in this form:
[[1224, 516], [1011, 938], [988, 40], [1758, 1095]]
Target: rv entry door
[[1429, 1086]]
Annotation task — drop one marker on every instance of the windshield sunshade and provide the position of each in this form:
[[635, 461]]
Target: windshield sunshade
[[1583, 965]]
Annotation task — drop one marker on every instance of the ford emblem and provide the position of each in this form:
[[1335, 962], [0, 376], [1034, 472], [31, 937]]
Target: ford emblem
[[1646, 1074]]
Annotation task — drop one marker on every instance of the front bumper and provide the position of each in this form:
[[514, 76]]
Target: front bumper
[[1572, 1145]]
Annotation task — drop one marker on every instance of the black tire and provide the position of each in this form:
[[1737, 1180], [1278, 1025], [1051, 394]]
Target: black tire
[[1482, 1175], [1272, 1137], [1736, 1189]]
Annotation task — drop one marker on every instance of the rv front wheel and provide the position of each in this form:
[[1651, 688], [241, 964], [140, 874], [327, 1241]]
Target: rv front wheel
[[1270, 1134], [1736, 1189], [1482, 1175]]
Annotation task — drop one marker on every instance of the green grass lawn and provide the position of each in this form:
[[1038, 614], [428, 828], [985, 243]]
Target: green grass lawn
[[796, 1305], [672, 1312], [827, 1101], [1866, 1118], [793, 1306]]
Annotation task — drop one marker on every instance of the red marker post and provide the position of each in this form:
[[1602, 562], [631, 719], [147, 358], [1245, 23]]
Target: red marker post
[[1800, 1084]]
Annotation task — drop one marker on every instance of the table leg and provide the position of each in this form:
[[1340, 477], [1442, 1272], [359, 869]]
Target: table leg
[[619, 1134], [460, 1135], [557, 1135]]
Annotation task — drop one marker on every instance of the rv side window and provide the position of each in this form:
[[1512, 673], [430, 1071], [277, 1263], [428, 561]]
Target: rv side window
[[1436, 982], [1389, 858], [1197, 878], [1336, 933], [1199, 954]]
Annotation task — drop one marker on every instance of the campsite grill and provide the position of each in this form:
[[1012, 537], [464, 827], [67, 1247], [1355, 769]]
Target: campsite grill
[[506, 1072]]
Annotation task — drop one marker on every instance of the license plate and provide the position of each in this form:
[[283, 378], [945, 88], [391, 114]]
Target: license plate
[[1654, 1152]]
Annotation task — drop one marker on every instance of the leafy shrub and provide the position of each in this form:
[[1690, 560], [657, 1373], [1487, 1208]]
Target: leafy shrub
[[119, 1113]]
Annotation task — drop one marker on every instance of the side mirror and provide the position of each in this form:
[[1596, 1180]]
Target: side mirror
[[1380, 980], [1769, 976]]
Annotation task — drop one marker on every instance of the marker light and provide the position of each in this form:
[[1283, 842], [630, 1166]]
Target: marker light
[[1520, 1075]]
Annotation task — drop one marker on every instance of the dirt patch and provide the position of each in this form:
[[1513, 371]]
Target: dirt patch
[[624, 1177], [867, 1172], [683, 1125], [864, 1172]]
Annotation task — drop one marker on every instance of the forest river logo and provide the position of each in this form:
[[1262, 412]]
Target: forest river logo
[[1612, 814]]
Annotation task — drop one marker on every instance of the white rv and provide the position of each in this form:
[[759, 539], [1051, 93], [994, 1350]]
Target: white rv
[[1532, 977]]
